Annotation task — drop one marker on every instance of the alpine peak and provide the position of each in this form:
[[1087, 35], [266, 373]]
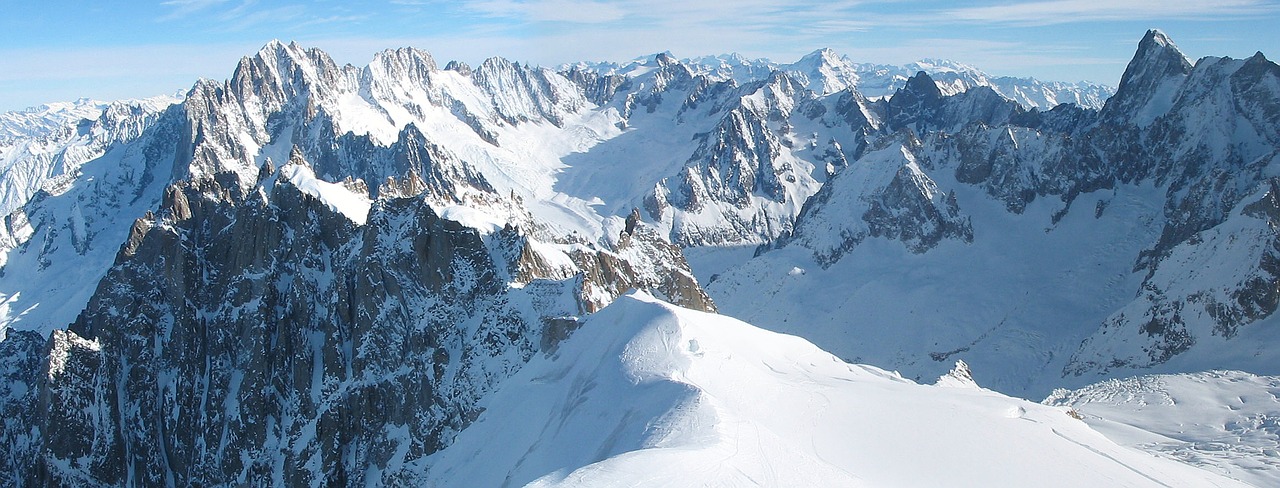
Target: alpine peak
[[1149, 80]]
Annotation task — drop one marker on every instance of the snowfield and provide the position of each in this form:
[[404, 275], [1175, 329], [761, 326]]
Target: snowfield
[[1224, 421], [649, 394]]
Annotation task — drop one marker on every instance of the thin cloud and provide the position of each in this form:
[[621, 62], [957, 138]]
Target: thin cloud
[[185, 8], [752, 14], [1071, 11], [333, 19], [577, 11], [227, 16], [245, 19]]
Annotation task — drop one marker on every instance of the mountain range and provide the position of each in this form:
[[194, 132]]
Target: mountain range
[[313, 274]]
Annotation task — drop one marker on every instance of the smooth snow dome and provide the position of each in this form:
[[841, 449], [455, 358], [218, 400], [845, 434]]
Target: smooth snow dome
[[650, 394]]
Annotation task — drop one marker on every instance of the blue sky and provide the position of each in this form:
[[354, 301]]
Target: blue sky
[[65, 49]]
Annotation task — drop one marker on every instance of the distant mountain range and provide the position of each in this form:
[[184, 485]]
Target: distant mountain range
[[313, 274], [825, 72]]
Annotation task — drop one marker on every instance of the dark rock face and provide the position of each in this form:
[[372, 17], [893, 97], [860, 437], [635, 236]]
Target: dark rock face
[[921, 106], [887, 194], [904, 211], [248, 333], [598, 88], [919, 99], [21, 387], [238, 341]]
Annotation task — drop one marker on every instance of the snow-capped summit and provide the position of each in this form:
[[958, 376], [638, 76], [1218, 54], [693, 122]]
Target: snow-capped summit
[[1150, 81], [824, 71]]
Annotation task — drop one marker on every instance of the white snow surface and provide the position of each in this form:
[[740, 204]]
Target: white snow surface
[[649, 394], [44, 146], [40, 120], [473, 218], [1223, 421], [353, 205], [1015, 303]]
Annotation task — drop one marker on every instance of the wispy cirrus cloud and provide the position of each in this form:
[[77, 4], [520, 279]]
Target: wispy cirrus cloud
[[184, 8], [243, 15], [1069, 11], [743, 14], [579, 11], [246, 17]]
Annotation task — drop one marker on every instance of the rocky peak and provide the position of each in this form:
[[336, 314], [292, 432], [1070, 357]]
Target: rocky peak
[[660, 78], [409, 64], [671, 72], [959, 377], [778, 96], [917, 100], [921, 86], [446, 177], [1150, 81], [290, 66], [460, 67], [665, 58], [597, 87], [522, 93], [885, 194], [921, 106], [296, 157]]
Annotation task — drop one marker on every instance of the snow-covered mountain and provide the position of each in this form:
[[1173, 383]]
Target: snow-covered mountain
[[952, 78], [41, 120], [320, 274], [233, 256], [45, 146], [1047, 248], [824, 71]]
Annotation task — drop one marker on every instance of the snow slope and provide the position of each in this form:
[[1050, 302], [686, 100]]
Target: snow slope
[[1223, 421], [1014, 303], [649, 394]]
